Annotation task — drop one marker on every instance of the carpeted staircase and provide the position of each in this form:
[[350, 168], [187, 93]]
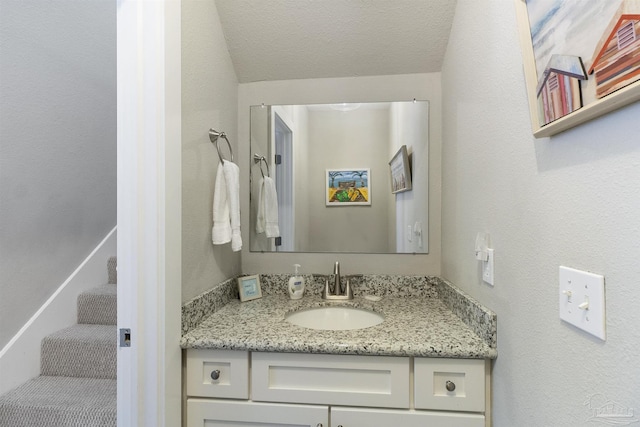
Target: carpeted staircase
[[77, 382]]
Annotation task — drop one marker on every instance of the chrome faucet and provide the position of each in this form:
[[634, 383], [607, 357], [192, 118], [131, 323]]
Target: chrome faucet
[[338, 292], [337, 285]]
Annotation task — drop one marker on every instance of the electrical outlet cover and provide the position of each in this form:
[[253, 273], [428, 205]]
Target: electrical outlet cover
[[582, 300], [487, 268]]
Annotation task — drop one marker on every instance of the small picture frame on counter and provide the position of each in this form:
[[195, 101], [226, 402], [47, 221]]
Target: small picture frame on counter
[[249, 288]]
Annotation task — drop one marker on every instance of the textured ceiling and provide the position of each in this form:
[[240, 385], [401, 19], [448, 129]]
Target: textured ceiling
[[300, 39]]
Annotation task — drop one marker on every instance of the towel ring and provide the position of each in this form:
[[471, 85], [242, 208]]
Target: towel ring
[[260, 159], [213, 136]]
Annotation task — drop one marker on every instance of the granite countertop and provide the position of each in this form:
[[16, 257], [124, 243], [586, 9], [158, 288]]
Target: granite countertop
[[413, 326]]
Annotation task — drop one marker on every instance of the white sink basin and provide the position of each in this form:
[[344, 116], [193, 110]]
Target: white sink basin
[[335, 318]]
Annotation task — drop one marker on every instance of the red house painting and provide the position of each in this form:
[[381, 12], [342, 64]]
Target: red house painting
[[616, 60], [558, 90]]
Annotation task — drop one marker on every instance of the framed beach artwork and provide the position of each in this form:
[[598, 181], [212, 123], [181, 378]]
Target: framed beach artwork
[[400, 171], [581, 59], [348, 187]]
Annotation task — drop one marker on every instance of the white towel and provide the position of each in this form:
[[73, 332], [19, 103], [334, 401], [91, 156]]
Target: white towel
[[267, 221], [221, 232], [226, 206], [232, 178]]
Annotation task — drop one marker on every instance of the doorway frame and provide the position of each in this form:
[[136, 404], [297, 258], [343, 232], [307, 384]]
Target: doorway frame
[[149, 219], [284, 176]]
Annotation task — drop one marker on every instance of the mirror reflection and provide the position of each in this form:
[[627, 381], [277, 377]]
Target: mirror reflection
[[340, 178]]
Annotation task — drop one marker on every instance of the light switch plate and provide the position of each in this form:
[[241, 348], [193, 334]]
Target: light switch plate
[[582, 300], [487, 268]]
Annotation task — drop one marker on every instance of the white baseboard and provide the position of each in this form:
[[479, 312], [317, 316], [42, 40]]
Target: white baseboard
[[20, 358]]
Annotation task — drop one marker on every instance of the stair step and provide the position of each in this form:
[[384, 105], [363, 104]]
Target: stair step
[[98, 306], [80, 351], [60, 401]]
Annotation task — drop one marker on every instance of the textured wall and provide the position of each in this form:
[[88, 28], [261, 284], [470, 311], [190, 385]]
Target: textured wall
[[567, 200], [293, 39], [209, 100], [336, 141], [57, 146], [259, 145], [302, 163], [410, 127]]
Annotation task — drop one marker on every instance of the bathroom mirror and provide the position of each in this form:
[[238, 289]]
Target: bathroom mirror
[[332, 167]]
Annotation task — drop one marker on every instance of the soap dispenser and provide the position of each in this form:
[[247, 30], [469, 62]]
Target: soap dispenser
[[296, 284]]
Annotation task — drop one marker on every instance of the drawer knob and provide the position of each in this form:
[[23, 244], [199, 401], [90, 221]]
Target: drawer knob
[[450, 385], [215, 375], [319, 425]]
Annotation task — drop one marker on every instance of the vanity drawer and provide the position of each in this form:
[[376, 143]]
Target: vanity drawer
[[218, 373], [466, 388], [331, 379]]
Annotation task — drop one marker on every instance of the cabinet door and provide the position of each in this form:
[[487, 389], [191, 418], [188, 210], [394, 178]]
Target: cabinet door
[[450, 384], [355, 417], [218, 373], [220, 413]]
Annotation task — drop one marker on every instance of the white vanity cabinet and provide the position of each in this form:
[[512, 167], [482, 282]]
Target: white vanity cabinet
[[237, 388]]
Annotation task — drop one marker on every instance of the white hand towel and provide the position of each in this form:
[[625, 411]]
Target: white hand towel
[[232, 180], [260, 224], [267, 221], [221, 232]]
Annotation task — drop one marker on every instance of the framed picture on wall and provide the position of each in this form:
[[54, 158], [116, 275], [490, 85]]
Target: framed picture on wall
[[400, 171], [581, 59], [348, 187]]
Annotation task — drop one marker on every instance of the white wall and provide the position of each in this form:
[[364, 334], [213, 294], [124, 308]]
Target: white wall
[[567, 200], [260, 130], [57, 146], [336, 139], [351, 89], [209, 100], [410, 127], [302, 163]]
